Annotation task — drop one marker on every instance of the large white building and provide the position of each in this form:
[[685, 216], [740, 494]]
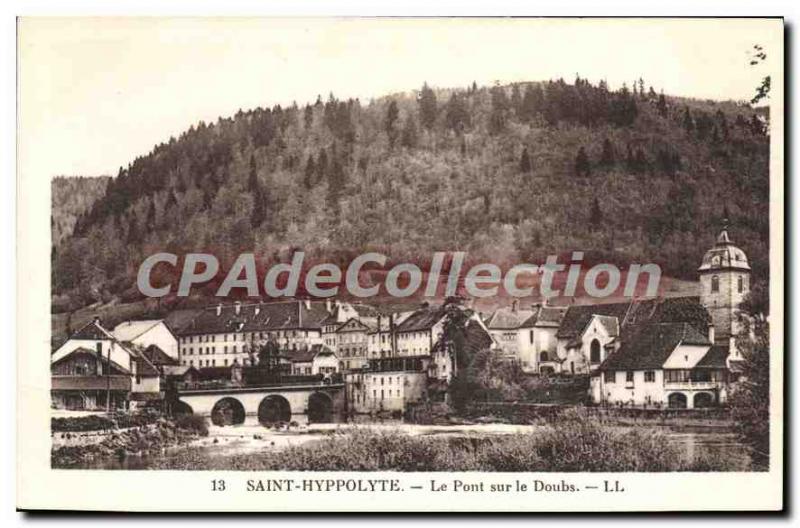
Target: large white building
[[218, 335], [675, 353]]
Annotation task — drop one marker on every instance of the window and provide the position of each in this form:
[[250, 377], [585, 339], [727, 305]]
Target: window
[[629, 376], [649, 376], [531, 337], [741, 284], [594, 351], [608, 377], [715, 284]]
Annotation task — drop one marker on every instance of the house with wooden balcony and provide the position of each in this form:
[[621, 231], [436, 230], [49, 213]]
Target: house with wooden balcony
[[93, 370], [663, 365]]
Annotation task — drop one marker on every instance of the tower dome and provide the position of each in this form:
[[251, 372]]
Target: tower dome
[[724, 255]]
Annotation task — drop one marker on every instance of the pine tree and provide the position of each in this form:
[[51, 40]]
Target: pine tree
[[688, 122], [456, 115], [516, 100], [525, 161], [582, 167], [410, 134], [661, 106], [595, 215], [607, 157], [310, 172], [390, 123], [499, 112], [308, 117], [427, 107], [259, 212], [150, 222]]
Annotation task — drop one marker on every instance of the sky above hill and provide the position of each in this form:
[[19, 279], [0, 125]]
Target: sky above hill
[[95, 93]]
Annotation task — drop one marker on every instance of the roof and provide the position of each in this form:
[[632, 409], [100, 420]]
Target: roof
[[724, 255], [577, 317], [648, 346], [156, 356], [258, 317], [641, 311], [307, 355], [716, 357], [422, 319], [508, 318], [609, 323], [475, 339], [92, 331], [117, 368], [547, 316], [130, 330]]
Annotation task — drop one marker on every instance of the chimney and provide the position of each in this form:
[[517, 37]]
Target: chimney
[[219, 309], [307, 302], [711, 334], [257, 309], [514, 305], [97, 320], [328, 305], [238, 307]]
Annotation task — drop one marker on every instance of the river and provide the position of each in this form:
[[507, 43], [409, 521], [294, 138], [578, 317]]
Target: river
[[695, 440]]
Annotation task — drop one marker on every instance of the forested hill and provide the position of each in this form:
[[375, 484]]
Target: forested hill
[[511, 173], [72, 197]]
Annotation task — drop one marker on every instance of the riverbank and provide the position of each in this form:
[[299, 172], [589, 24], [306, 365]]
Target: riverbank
[[82, 449], [579, 443]]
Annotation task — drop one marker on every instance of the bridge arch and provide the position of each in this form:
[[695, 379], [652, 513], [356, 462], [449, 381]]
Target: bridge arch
[[181, 407], [703, 399], [677, 400], [274, 409], [320, 408], [228, 411]]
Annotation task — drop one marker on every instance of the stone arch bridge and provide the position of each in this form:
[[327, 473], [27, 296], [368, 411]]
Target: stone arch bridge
[[310, 403]]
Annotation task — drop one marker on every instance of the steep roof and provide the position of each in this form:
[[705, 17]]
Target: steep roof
[[648, 346], [577, 317], [156, 356], [92, 331], [258, 317], [307, 355], [130, 330], [507, 318], [545, 316], [637, 312], [422, 319], [475, 339], [715, 358], [80, 351]]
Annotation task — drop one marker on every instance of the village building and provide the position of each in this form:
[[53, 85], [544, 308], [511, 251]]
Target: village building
[[316, 360], [146, 333], [527, 336], [94, 370], [352, 340], [505, 325], [387, 384], [219, 335], [675, 352]]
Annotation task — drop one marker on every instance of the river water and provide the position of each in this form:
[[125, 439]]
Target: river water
[[695, 440]]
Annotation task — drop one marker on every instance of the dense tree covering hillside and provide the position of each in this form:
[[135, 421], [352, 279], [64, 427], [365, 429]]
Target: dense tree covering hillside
[[72, 197], [510, 173]]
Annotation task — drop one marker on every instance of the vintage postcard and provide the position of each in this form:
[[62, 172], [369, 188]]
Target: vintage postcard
[[443, 264]]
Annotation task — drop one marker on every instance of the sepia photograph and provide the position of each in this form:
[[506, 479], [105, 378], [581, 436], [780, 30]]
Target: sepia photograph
[[431, 245]]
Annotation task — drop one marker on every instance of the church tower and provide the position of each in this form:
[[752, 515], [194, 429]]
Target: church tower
[[724, 283]]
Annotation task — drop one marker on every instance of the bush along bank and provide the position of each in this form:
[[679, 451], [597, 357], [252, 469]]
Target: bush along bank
[[98, 422], [578, 443], [120, 443]]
